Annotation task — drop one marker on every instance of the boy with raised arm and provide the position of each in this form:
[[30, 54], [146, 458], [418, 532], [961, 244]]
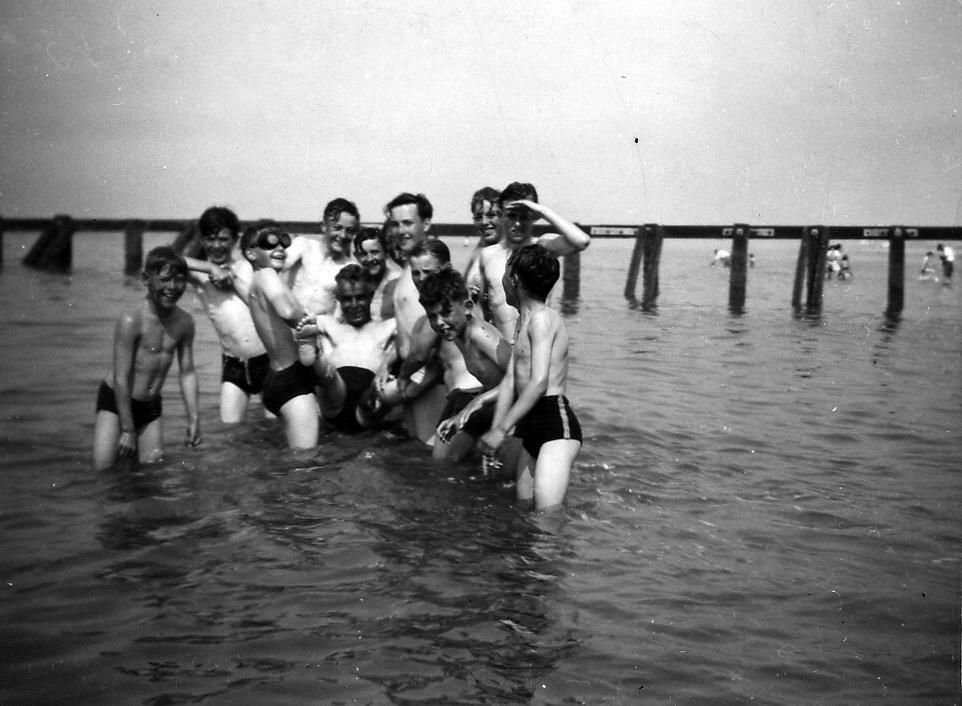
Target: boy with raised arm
[[221, 283], [519, 210], [531, 397], [289, 387], [146, 338], [450, 311]]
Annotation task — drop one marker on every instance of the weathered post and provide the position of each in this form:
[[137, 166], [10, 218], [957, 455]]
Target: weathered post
[[134, 248], [817, 249], [896, 298], [53, 251], [632, 282], [801, 266], [654, 235], [570, 282], [738, 276], [1, 243]]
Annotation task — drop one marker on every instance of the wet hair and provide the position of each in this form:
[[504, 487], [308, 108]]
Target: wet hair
[[354, 273], [432, 246], [337, 206], [485, 193], [215, 219], [446, 285], [161, 257], [368, 233], [517, 190], [536, 269], [255, 230], [425, 209]]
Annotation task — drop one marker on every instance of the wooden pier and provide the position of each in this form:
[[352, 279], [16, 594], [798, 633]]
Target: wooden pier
[[53, 250]]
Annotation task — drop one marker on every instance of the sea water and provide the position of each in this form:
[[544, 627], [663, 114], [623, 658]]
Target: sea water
[[766, 509]]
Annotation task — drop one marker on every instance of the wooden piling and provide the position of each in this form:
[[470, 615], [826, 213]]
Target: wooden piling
[[801, 266], [53, 251], [738, 276], [654, 236], [570, 282], [896, 288], [1, 243], [817, 250], [632, 282], [134, 248]]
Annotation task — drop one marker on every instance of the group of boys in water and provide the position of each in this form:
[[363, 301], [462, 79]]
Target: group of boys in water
[[364, 328]]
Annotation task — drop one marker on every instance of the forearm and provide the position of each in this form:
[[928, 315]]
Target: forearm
[[574, 238], [523, 404], [190, 390]]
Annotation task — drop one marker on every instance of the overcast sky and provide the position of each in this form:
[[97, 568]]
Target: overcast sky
[[701, 112]]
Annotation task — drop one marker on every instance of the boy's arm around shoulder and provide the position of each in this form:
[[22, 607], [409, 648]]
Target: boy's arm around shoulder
[[188, 379]]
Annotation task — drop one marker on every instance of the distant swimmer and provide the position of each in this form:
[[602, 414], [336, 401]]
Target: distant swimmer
[[146, 339], [927, 271], [722, 256], [833, 260], [844, 268], [948, 261], [751, 259]]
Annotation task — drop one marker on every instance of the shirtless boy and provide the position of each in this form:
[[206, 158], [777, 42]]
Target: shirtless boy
[[289, 387], [468, 413], [519, 210], [370, 250], [485, 214], [315, 263], [409, 215], [221, 282], [146, 338], [354, 349], [531, 397]]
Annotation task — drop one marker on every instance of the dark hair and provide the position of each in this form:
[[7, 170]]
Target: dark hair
[[425, 209], [162, 256], [445, 285], [215, 219], [255, 230], [536, 268], [368, 233], [354, 273], [432, 246], [337, 206], [485, 193], [517, 190]]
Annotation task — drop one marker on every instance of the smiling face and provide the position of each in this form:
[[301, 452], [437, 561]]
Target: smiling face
[[339, 233], [371, 257], [486, 217], [411, 229], [422, 266], [269, 250], [166, 287], [354, 296], [217, 246], [449, 319]]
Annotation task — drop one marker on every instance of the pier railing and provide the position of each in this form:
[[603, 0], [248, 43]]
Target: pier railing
[[53, 250]]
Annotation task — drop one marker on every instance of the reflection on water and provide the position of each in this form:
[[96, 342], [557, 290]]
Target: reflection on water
[[766, 508]]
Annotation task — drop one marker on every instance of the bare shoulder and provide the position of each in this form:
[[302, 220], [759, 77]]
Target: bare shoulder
[[184, 322]]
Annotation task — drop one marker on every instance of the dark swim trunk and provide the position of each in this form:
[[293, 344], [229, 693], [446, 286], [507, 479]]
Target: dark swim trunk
[[478, 423], [144, 411], [357, 381], [281, 386], [551, 418], [248, 375]]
